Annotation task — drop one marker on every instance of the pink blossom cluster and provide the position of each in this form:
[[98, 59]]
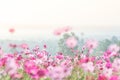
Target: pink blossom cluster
[[37, 64]]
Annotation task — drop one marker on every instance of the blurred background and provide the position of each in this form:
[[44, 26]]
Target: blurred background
[[100, 17], [35, 20]]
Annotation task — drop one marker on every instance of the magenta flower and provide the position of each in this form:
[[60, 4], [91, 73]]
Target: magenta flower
[[102, 77], [109, 65], [114, 78], [60, 56], [42, 72], [112, 51]]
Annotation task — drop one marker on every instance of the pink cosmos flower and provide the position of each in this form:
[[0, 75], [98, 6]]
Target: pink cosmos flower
[[109, 65], [114, 78], [112, 51], [3, 61], [59, 31], [33, 70], [13, 45], [91, 44], [114, 48], [11, 66], [60, 56], [71, 42], [102, 77], [17, 76], [66, 29], [42, 72], [116, 64], [58, 72], [88, 66], [107, 72], [24, 46], [11, 30]]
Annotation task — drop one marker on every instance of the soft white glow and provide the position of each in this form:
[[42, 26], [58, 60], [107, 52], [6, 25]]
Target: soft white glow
[[87, 15]]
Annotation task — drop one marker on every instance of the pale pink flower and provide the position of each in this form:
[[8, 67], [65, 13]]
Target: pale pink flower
[[11, 66], [11, 30], [58, 31], [59, 72], [107, 72], [56, 73], [66, 29], [88, 66], [71, 42], [116, 64], [91, 44], [62, 30], [24, 46], [114, 48], [17, 76]]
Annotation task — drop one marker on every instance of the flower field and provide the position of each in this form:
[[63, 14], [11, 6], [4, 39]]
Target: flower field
[[71, 62]]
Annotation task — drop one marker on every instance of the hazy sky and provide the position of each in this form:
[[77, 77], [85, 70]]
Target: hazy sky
[[97, 16]]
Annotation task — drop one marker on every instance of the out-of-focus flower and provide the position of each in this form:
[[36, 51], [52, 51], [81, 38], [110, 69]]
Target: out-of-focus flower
[[114, 48], [107, 72], [66, 29], [62, 30], [60, 56], [56, 73], [112, 51], [116, 64], [109, 65], [13, 45], [59, 72], [58, 31], [88, 66], [71, 42], [11, 66], [11, 30], [102, 77], [42, 72], [17, 76], [91, 44], [24, 46], [45, 46], [114, 78]]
